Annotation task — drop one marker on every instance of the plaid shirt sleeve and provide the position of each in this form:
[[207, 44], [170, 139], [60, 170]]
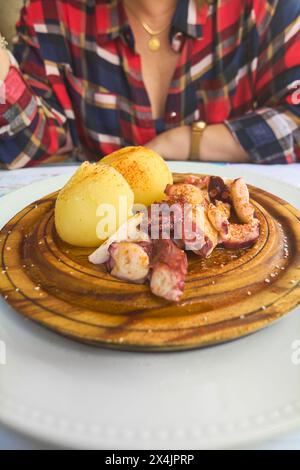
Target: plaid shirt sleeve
[[271, 133], [33, 124]]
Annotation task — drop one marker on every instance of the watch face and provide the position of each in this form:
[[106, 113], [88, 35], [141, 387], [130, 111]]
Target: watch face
[[199, 126]]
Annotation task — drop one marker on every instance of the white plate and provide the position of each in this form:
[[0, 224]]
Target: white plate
[[79, 396]]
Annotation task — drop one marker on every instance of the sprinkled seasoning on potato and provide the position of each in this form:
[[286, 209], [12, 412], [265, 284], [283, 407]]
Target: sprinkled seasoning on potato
[[76, 218], [145, 171]]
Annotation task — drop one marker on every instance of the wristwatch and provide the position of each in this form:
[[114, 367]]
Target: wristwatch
[[198, 129]]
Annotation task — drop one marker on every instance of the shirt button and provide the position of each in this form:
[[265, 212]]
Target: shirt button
[[177, 42], [178, 35], [172, 116]]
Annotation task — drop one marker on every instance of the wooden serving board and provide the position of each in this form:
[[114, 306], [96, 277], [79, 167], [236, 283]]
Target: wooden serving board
[[229, 295]]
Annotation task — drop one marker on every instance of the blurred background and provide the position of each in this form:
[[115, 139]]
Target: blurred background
[[10, 10]]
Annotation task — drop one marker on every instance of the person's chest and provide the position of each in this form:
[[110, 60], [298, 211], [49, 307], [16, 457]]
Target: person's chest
[[112, 88]]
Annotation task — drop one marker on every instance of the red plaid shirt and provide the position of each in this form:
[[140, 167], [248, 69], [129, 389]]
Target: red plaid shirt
[[79, 82]]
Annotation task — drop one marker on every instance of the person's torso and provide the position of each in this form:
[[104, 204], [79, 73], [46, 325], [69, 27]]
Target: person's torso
[[93, 48]]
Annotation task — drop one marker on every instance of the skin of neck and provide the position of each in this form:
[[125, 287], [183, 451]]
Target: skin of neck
[[155, 10]]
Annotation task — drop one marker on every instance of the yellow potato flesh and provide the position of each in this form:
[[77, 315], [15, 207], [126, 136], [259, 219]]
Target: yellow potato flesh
[[79, 207], [144, 170]]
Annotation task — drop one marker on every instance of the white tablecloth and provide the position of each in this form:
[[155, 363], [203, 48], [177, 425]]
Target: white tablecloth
[[16, 179]]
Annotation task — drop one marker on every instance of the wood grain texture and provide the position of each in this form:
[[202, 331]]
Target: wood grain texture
[[229, 295]]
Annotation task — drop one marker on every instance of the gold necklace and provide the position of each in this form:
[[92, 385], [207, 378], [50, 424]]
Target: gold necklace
[[154, 41]]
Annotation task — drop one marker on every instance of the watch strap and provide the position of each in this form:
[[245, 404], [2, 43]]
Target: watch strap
[[198, 129]]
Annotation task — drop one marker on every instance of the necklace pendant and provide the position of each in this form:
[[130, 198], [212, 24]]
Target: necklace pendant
[[154, 44]]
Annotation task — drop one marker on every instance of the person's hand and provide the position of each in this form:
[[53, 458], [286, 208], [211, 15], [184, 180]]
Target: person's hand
[[173, 144]]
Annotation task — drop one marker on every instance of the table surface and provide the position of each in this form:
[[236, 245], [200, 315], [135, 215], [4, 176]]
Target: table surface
[[10, 440]]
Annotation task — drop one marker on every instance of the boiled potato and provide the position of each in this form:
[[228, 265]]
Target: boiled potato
[[145, 171], [80, 217]]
